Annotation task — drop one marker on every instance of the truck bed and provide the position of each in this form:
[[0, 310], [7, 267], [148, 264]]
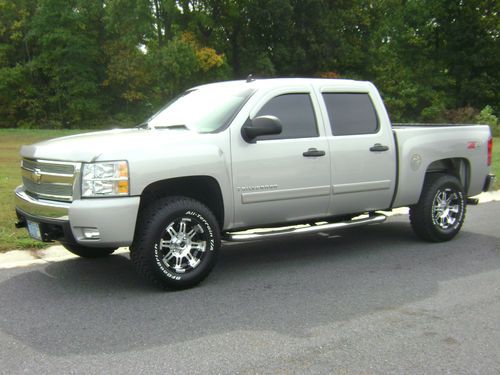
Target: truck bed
[[420, 145]]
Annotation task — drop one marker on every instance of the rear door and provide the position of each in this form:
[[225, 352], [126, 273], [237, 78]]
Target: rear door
[[276, 179], [363, 154]]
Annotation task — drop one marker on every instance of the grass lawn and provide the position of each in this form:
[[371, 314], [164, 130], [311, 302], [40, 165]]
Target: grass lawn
[[10, 177], [496, 161], [10, 142]]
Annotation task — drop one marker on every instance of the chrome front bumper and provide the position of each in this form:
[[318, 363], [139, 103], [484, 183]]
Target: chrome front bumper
[[113, 218], [39, 207]]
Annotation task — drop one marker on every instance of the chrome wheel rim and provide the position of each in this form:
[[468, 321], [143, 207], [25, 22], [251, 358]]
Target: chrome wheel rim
[[446, 209], [182, 245]]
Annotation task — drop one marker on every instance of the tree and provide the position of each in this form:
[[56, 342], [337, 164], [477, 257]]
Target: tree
[[76, 63], [18, 98], [66, 60]]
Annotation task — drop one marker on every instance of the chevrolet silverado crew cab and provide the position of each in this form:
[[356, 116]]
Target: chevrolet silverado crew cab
[[226, 158]]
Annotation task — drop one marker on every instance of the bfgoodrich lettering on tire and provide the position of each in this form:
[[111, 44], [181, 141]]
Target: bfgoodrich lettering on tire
[[440, 212], [177, 243]]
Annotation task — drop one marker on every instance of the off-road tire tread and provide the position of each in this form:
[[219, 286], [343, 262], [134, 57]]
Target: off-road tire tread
[[147, 218], [419, 213]]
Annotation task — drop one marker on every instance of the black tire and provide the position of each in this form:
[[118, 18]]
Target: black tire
[[176, 243], [440, 212], [88, 252]]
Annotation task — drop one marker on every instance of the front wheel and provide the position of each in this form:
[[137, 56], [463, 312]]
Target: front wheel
[[440, 212], [176, 244]]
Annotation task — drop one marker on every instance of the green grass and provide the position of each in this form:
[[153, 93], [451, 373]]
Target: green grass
[[10, 142], [496, 161]]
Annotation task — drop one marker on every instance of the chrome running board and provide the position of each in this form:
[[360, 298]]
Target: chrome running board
[[277, 232]]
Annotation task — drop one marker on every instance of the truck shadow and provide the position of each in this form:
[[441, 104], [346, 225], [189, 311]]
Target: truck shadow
[[288, 286]]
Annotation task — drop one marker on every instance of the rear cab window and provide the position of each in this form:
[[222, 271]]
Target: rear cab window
[[351, 113]]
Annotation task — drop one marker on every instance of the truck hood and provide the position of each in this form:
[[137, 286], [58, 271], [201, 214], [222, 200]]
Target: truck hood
[[106, 145]]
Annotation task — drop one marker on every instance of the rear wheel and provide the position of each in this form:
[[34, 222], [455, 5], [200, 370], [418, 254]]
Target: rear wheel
[[440, 212], [88, 252], [177, 243]]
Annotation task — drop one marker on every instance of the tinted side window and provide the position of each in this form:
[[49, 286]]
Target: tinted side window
[[351, 113], [296, 114]]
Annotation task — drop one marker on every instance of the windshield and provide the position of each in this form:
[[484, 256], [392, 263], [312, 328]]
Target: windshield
[[203, 110]]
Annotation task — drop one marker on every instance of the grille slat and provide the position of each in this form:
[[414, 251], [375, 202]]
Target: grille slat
[[48, 168], [49, 180], [49, 189]]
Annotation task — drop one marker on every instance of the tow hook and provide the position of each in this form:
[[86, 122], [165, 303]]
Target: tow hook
[[20, 224]]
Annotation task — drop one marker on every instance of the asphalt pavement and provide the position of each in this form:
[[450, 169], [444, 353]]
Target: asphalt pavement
[[368, 300]]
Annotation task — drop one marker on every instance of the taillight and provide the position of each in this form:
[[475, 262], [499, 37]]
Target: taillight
[[490, 150]]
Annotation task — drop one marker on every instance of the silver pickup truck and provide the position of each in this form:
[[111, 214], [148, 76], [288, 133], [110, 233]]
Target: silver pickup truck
[[225, 158]]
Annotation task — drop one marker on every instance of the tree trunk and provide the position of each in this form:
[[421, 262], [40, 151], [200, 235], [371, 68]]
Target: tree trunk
[[158, 22]]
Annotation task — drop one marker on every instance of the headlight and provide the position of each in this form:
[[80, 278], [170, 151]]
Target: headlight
[[105, 179]]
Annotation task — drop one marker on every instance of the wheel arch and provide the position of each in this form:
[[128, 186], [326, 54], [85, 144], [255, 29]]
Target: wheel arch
[[457, 167], [204, 189]]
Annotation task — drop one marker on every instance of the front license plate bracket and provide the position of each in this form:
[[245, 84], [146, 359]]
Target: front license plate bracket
[[34, 230]]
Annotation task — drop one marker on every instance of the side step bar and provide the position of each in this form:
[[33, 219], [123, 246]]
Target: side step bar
[[252, 236]]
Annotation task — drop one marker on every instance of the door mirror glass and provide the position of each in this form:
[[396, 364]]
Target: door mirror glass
[[262, 125]]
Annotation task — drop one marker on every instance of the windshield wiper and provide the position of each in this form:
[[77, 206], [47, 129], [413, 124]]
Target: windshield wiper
[[144, 125], [181, 127]]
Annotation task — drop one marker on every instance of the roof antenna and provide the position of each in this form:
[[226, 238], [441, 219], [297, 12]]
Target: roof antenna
[[250, 78]]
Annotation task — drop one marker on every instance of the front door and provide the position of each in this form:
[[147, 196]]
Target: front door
[[278, 179]]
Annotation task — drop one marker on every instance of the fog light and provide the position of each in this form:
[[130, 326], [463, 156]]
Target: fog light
[[91, 233]]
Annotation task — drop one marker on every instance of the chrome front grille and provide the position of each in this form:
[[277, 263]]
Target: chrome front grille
[[51, 180], [49, 167]]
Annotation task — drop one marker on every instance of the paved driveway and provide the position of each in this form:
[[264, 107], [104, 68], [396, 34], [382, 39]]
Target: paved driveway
[[371, 300]]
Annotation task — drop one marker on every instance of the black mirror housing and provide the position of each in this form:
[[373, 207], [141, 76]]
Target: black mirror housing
[[262, 125]]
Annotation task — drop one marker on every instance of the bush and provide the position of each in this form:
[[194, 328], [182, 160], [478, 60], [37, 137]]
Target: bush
[[487, 117], [464, 115]]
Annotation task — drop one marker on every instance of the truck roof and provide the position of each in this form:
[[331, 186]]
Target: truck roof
[[259, 83]]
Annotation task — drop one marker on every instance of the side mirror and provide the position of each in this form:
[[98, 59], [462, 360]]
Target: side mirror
[[262, 125]]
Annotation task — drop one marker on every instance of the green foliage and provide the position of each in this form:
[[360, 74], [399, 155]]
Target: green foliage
[[487, 117], [88, 63], [174, 65]]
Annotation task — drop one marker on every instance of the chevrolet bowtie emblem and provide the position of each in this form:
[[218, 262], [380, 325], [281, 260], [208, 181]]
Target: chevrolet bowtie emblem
[[36, 176]]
